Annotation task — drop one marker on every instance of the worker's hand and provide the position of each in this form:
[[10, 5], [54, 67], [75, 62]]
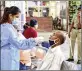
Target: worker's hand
[[39, 40]]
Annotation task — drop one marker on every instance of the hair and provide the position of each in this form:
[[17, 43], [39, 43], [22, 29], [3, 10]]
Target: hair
[[62, 39], [26, 25], [9, 10], [33, 22], [61, 36]]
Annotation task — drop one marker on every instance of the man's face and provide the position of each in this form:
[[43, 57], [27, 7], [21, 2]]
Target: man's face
[[54, 37], [79, 12]]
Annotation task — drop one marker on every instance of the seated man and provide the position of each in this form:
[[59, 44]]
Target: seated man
[[54, 57]]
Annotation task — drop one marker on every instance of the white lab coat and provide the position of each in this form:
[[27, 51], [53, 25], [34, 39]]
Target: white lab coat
[[53, 59]]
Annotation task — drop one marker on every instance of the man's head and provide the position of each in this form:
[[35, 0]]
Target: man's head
[[79, 10], [57, 38]]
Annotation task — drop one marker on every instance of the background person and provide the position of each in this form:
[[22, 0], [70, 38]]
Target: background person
[[31, 31], [75, 32], [26, 25], [25, 55]]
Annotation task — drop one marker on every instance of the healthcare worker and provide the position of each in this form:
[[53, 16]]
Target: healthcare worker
[[10, 42]]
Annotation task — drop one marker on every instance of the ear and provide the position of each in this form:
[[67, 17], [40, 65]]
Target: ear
[[10, 16], [57, 41]]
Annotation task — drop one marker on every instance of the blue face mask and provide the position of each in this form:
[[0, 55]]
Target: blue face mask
[[15, 21], [51, 42]]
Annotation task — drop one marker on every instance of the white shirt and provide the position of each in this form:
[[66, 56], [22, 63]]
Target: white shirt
[[52, 60]]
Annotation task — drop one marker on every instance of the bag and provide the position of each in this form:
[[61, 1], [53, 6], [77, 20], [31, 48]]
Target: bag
[[68, 66]]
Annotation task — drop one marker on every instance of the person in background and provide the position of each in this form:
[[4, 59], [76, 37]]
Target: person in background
[[10, 41], [26, 14], [54, 57], [30, 13], [26, 25], [59, 24], [75, 32], [25, 55], [31, 31], [55, 23]]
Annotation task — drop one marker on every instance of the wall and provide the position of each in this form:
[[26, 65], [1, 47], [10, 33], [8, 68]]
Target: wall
[[45, 23]]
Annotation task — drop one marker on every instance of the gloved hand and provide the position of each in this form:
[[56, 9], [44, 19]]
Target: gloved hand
[[39, 40]]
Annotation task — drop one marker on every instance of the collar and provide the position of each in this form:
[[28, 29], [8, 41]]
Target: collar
[[55, 48]]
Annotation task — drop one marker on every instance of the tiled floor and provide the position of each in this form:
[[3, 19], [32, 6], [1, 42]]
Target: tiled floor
[[65, 49]]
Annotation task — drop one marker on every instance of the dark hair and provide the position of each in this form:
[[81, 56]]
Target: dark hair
[[26, 25], [9, 10], [6, 9], [33, 22]]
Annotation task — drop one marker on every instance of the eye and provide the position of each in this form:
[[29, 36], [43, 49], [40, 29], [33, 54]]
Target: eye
[[17, 16]]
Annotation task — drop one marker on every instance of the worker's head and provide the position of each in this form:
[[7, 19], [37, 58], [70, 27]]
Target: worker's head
[[10, 14], [34, 23], [57, 38]]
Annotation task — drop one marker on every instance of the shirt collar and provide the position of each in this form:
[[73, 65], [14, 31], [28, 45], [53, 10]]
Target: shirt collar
[[55, 48]]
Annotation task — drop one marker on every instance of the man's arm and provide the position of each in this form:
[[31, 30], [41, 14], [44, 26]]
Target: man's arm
[[72, 23], [71, 26]]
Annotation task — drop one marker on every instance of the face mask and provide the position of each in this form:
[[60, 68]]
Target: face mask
[[51, 42], [15, 21]]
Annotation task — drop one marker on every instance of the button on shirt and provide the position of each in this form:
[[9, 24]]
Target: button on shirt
[[10, 45]]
